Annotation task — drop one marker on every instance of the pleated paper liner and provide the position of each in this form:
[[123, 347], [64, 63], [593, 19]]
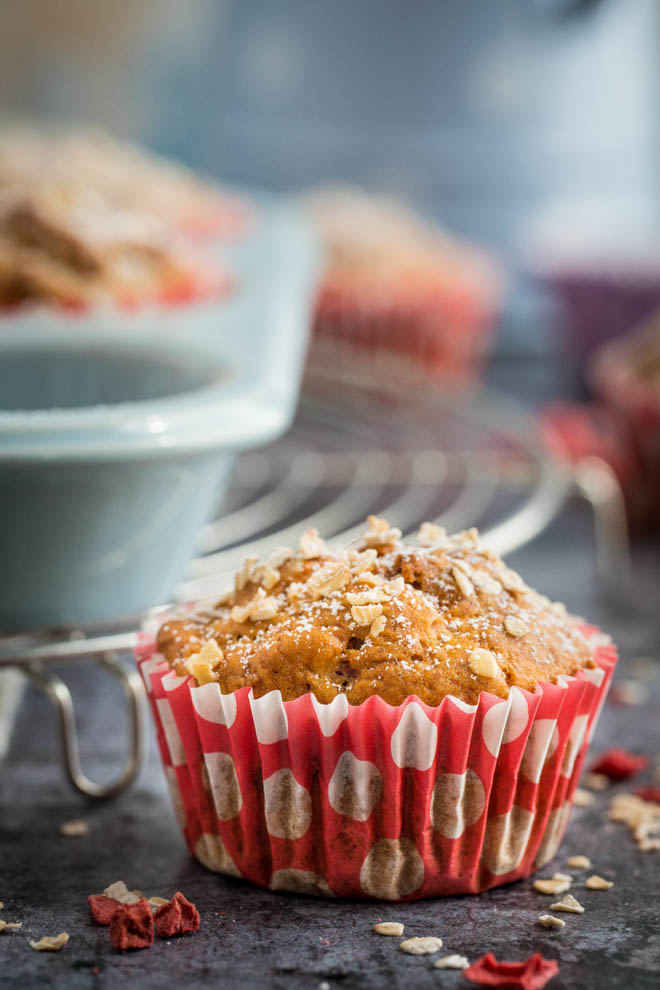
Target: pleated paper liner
[[445, 338], [372, 800]]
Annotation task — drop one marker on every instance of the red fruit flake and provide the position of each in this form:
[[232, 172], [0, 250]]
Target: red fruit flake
[[649, 794], [132, 926], [177, 917], [102, 908], [530, 974], [619, 764]]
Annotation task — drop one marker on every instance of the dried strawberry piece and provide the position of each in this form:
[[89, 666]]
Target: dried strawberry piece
[[619, 764], [530, 974], [102, 908], [177, 917], [649, 794], [132, 926]]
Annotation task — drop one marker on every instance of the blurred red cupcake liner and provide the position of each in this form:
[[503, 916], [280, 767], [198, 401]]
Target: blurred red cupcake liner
[[395, 803], [445, 339], [635, 405]]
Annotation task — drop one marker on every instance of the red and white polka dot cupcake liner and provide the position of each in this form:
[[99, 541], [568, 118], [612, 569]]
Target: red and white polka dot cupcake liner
[[372, 800]]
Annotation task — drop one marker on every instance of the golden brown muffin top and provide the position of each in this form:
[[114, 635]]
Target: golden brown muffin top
[[380, 618]]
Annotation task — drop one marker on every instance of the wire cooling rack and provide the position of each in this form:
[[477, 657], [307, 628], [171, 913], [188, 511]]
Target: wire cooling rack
[[358, 445]]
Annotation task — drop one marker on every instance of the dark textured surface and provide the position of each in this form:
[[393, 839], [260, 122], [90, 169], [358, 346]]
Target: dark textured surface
[[251, 938]]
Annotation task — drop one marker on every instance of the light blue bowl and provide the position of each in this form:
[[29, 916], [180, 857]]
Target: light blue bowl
[[118, 432]]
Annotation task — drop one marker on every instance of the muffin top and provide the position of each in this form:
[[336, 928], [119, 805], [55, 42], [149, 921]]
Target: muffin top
[[382, 617]]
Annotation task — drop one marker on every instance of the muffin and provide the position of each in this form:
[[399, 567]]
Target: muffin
[[80, 253], [124, 176], [397, 286], [392, 720]]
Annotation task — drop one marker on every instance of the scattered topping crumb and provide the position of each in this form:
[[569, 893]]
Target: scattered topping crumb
[[451, 962], [50, 943], [628, 693], [118, 891], [10, 926], [642, 817], [557, 884], [582, 798], [597, 781], [515, 627], [598, 883], [311, 545], [176, 917], [619, 764], [244, 573], [156, 902], [579, 862], [75, 828], [424, 946], [388, 928], [549, 921], [483, 663], [530, 974], [132, 926], [569, 904]]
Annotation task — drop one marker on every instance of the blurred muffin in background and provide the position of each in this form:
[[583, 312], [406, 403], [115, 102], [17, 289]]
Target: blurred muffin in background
[[84, 220], [83, 163], [399, 287]]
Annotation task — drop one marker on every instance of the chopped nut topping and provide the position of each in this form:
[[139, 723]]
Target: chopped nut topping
[[372, 597], [244, 574], [279, 556], [569, 904], [10, 926], [331, 577], [364, 615], [462, 582], [363, 560], [452, 962], [295, 591], [201, 665], [598, 883], [378, 625], [483, 663], [380, 533], [430, 535], [396, 586], [597, 781], [549, 921], [267, 576], [485, 583], [119, 892], [50, 943], [421, 946], [515, 627], [582, 798], [366, 577], [311, 545], [388, 928], [258, 608], [642, 817], [512, 581], [579, 862], [557, 884], [75, 828]]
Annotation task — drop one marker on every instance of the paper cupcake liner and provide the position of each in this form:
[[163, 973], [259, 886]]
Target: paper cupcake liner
[[372, 800], [447, 339]]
